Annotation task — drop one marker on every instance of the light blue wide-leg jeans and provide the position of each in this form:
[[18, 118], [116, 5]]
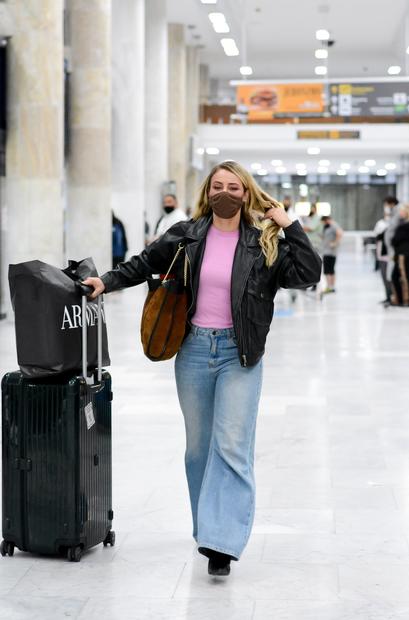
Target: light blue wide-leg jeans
[[219, 400]]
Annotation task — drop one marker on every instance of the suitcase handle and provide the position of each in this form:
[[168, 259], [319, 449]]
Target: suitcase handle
[[86, 290]]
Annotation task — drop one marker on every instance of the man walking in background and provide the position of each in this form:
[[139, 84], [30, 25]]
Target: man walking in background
[[172, 215], [331, 237]]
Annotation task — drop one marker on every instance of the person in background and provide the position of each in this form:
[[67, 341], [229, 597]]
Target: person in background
[[332, 234], [312, 226], [400, 274], [172, 215], [390, 205], [287, 204], [119, 241], [147, 229], [382, 251], [289, 209]]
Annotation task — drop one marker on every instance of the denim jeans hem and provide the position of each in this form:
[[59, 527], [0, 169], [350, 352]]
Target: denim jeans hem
[[235, 556]]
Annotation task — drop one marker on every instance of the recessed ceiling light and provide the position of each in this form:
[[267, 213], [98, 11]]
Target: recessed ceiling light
[[221, 27], [286, 185], [200, 151], [322, 35], [321, 70], [341, 173], [381, 172], [212, 150], [390, 166], [301, 172], [363, 169], [217, 17], [394, 70], [370, 162], [208, 1], [345, 166], [246, 70], [276, 162], [281, 170], [219, 23], [321, 54], [256, 166], [230, 47], [324, 162], [313, 150], [262, 172], [322, 169]]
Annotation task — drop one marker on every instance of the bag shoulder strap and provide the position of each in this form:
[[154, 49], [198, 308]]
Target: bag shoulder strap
[[180, 248]]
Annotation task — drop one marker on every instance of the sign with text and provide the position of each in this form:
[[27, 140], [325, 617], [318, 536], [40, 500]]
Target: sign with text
[[369, 99], [262, 102], [328, 135]]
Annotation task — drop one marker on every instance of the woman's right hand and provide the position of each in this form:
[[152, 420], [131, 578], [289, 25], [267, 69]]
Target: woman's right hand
[[97, 284]]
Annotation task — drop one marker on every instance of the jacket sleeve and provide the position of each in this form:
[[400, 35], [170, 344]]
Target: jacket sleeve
[[398, 237], [301, 265], [156, 258]]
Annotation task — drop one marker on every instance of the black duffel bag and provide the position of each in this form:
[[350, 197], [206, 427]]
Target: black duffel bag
[[47, 305]]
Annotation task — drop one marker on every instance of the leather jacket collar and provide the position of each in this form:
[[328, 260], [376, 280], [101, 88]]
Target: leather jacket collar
[[249, 235]]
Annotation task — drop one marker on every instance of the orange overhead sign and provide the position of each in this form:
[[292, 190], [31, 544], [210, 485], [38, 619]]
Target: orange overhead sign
[[333, 134], [262, 102]]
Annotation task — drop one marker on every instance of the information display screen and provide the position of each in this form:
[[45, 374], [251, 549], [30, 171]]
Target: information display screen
[[369, 99]]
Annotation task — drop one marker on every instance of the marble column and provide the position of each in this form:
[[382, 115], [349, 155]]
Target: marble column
[[156, 110], [204, 87], [192, 120], [89, 221], [177, 143], [128, 107], [32, 214]]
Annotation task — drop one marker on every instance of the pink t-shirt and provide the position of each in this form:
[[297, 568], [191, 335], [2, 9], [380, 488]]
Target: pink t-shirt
[[213, 308]]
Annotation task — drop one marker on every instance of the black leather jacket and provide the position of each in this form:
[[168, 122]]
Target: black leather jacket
[[253, 287]]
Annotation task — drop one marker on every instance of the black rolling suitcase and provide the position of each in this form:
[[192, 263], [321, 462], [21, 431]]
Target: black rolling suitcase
[[56, 462]]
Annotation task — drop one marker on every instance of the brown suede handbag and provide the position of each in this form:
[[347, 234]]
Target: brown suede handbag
[[164, 314]]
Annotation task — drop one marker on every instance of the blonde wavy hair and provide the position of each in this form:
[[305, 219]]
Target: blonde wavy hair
[[256, 204]]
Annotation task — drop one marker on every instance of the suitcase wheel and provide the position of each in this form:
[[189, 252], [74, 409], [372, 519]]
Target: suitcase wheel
[[110, 539], [74, 554], [6, 548]]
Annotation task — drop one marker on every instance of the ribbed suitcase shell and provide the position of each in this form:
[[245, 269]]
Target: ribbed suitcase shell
[[57, 473]]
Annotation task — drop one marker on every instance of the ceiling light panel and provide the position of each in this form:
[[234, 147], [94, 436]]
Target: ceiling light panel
[[230, 47], [246, 70], [321, 54], [322, 35]]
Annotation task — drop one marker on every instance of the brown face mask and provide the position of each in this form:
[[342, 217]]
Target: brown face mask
[[225, 205]]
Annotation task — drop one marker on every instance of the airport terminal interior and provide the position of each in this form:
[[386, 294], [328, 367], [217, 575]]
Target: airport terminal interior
[[112, 115]]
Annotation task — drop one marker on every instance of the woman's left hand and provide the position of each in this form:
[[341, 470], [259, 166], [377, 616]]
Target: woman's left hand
[[279, 216]]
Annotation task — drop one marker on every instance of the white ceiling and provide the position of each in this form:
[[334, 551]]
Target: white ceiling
[[369, 35]]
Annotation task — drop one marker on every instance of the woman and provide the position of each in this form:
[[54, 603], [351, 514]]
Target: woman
[[400, 274], [237, 263]]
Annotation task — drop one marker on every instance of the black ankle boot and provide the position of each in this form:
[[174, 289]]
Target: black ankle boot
[[219, 563]]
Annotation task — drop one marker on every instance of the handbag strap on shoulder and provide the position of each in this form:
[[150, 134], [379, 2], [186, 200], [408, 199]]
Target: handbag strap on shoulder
[[180, 248]]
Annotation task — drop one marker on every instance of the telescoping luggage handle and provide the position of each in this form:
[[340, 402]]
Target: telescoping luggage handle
[[87, 290]]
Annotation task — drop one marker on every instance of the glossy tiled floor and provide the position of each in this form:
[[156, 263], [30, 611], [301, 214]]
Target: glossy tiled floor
[[331, 534]]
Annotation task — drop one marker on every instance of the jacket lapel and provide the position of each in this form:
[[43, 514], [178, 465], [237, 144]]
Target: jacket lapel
[[247, 251]]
